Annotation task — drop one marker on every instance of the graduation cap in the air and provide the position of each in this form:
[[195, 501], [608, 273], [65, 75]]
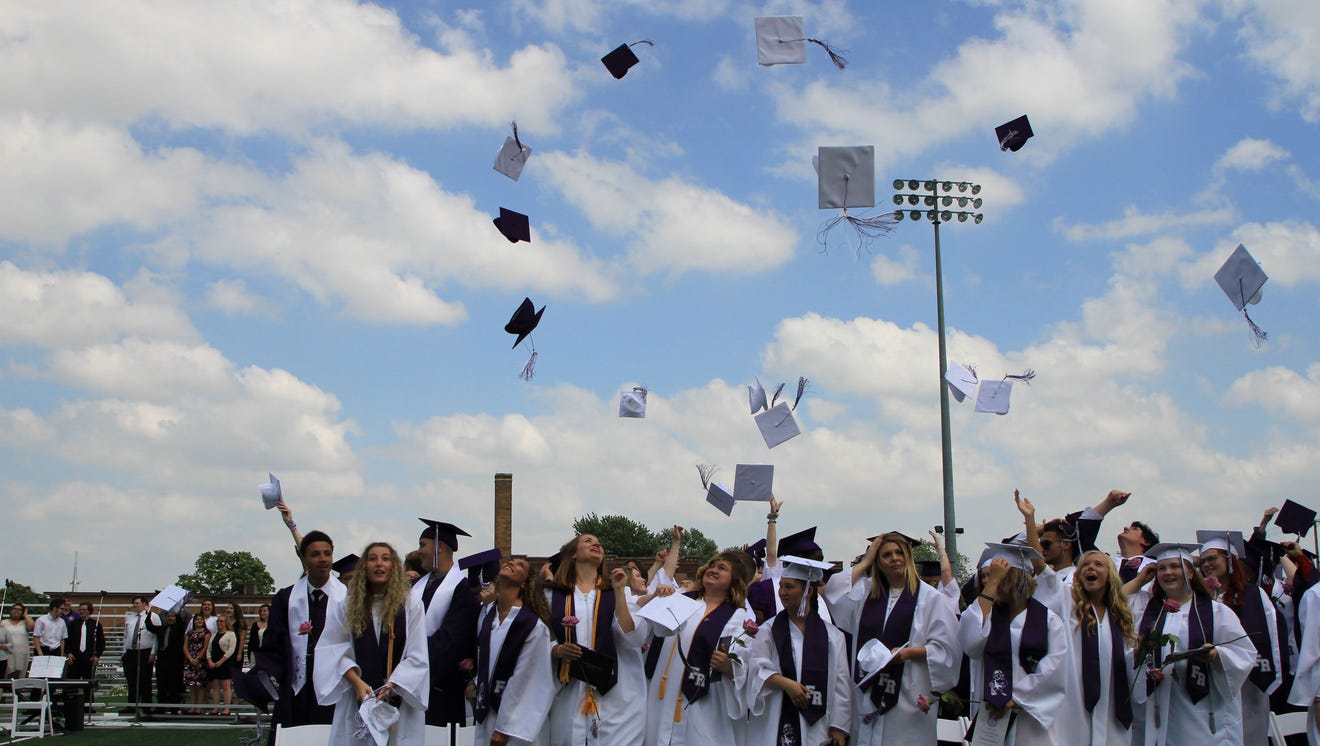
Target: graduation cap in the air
[[482, 567], [346, 564], [753, 482], [632, 404], [439, 531], [962, 381], [522, 323], [845, 178], [993, 396], [514, 225], [798, 544], [255, 687], [1295, 518], [621, 58], [513, 156], [271, 495], [1013, 135], [777, 423], [782, 40], [1242, 280], [756, 551], [716, 494]]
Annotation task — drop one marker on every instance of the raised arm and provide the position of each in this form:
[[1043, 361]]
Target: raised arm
[[287, 513], [860, 569], [1114, 499], [1028, 512], [771, 533], [946, 569], [676, 542]]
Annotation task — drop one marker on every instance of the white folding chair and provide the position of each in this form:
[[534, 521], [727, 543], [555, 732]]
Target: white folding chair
[[26, 702], [1286, 724], [951, 731], [302, 735]]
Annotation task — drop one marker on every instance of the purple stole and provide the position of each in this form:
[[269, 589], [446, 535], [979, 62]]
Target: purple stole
[[997, 660], [1122, 702], [490, 689], [815, 674], [370, 649], [1252, 614], [1201, 619], [604, 626], [696, 682], [891, 632]]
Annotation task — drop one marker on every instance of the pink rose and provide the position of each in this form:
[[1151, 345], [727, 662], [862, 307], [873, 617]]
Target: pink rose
[[1171, 606], [923, 703], [646, 646], [305, 628], [750, 628], [1155, 673], [466, 665], [569, 621], [1212, 582]]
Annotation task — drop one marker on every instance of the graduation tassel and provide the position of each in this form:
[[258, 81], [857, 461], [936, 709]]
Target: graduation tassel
[[867, 228], [516, 141], [678, 708], [778, 391], [589, 704], [529, 370], [802, 389], [1258, 335], [706, 471], [647, 42], [836, 56], [1026, 377]]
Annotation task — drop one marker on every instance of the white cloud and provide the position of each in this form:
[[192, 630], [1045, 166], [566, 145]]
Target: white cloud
[[729, 75], [1280, 36], [303, 64], [887, 271], [1136, 223], [1250, 154], [1288, 251], [233, 297], [675, 225], [1280, 391]]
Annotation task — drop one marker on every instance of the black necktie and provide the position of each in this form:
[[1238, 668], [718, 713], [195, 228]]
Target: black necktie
[[428, 592], [317, 616]]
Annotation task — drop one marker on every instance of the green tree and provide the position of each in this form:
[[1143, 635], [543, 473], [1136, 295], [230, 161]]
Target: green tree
[[961, 567], [693, 544], [17, 593], [621, 535], [219, 571]]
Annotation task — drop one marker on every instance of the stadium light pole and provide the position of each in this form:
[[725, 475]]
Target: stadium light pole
[[915, 194]]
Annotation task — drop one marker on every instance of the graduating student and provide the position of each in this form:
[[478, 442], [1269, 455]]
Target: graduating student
[[514, 684], [1194, 700], [451, 619], [170, 631], [287, 654], [86, 643], [1306, 686], [798, 687], [763, 596], [374, 647], [606, 707], [1103, 635], [696, 694], [1022, 650], [1221, 558], [887, 603]]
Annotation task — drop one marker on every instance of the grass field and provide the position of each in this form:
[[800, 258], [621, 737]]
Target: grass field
[[125, 736]]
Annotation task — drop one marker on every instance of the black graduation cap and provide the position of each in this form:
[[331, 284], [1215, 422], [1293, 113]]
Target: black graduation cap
[[514, 225], [756, 551], [912, 542], [796, 544], [524, 320], [256, 688], [346, 564], [1295, 518], [1014, 135], [554, 560], [621, 58], [929, 568], [441, 531], [482, 567]]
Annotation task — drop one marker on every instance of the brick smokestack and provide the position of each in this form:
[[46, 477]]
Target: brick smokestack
[[504, 513]]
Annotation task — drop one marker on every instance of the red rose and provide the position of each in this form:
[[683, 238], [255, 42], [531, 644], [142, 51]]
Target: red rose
[[466, 665], [1172, 606], [305, 628], [750, 628], [569, 621], [923, 703]]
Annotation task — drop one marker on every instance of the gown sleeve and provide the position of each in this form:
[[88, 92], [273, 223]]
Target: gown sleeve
[[1306, 684], [412, 677], [334, 657], [939, 625], [531, 689]]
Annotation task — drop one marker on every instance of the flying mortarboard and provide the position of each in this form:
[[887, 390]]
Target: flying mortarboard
[[1295, 518], [440, 531], [756, 551], [756, 397], [798, 544], [514, 225], [271, 495], [522, 323], [845, 177], [346, 564], [716, 494], [777, 423], [632, 404], [753, 482], [1242, 280], [482, 567], [962, 381], [1013, 135], [621, 58], [993, 396], [782, 40], [513, 156]]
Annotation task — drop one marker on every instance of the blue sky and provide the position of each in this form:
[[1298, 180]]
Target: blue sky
[[247, 238]]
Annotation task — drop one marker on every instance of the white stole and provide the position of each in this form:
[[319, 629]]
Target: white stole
[[300, 612], [444, 594]]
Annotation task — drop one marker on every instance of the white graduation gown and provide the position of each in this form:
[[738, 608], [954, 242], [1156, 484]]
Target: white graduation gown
[[1101, 723], [526, 699], [717, 719], [934, 625], [412, 678], [1039, 696], [619, 709], [766, 703], [1179, 720], [1306, 685], [1256, 703]]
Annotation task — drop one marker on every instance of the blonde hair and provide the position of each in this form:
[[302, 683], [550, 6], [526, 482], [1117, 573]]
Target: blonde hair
[[359, 593], [566, 575], [910, 577], [1018, 586], [1113, 599]]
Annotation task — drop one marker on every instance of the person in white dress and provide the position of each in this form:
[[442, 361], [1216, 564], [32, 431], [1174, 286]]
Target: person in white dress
[[886, 602], [374, 647], [1193, 700], [1103, 635], [606, 624], [798, 686], [16, 640], [514, 687]]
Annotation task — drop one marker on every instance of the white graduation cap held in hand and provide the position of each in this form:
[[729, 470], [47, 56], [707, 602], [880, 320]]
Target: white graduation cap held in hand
[[270, 492], [1242, 280], [172, 599], [716, 494], [378, 716], [669, 612], [962, 381], [873, 657], [632, 404], [513, 156], [753, 482]]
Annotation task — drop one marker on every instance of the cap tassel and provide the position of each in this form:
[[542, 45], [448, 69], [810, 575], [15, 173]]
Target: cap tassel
[[522, 151], [802, 389], [778, 391], [1258, 335], [868, 228], [836, 56], [589, 706], [647, 42], [529, 370], [707, 471], [1026, 377], [1003, 144]]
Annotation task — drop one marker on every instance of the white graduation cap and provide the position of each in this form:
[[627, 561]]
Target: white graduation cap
[[753, 482], [378, 716], [756, 397], [962, 381], [271, 495], [1242, 280], [801, 568], [845, 176], [873, 657], [777, 425], [513, 156], [1228, 542], [1172, 549], [1020, 556], [669, 612], [633, 403], [716, 494], [781, 40], [992, 396]]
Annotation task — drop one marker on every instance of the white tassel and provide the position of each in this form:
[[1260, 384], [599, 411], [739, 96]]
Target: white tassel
[[529, 370]]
